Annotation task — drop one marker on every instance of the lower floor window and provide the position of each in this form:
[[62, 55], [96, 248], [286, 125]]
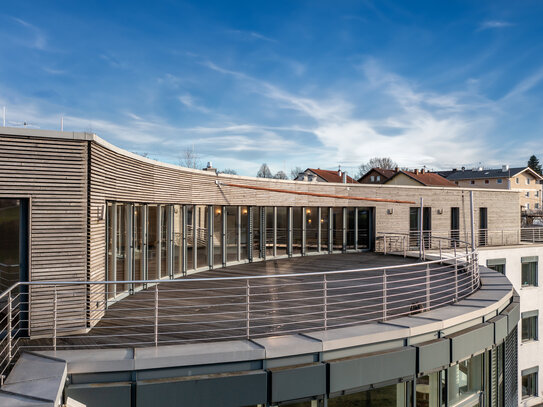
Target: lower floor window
[[529, 384]]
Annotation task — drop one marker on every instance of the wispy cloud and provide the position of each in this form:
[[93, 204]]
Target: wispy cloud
[[525, 85], [492, 24], [188, 101], [252, 35], [38, 39]]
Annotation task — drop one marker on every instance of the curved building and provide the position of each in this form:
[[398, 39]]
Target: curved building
[[126, 281]]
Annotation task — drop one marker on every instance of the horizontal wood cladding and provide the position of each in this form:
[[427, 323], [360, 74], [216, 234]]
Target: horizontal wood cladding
[[53, 175]]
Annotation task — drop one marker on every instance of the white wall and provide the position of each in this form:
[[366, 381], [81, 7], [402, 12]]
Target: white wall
[[531, 298]]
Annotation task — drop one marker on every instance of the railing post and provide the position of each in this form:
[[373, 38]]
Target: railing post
[[248, 309], [156, 314], [455, 279], [427, 286], [440, 252], [404, 247], [9, 327], [503, 240], [325, 285], [385, 305], [385, 244], [55, 309]]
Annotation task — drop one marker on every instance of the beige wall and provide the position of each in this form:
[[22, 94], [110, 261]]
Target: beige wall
[[402, 179]]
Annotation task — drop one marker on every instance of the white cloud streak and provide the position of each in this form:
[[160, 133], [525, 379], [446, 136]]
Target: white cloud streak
[[494, 24]]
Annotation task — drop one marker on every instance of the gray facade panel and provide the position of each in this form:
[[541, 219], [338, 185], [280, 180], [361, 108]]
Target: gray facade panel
[[101, 395], [374, 368], [470, 341], [433, 355], [513, 315], [305, 381], [500, 328], [222, 390]]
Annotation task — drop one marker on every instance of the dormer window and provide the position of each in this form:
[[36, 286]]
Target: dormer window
[[372, 178], [499, 181], [378, 178]]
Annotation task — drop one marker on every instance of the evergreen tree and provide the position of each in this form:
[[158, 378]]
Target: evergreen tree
[[533, 163]]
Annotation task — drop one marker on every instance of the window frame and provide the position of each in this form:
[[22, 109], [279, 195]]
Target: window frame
[[531, 262]]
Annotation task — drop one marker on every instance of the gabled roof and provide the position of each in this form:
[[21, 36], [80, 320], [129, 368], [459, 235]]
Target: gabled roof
[[429, 179], [459, 175], [330, 176], [386, 174]]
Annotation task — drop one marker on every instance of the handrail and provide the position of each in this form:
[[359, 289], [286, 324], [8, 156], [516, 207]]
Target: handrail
[[163, 311]]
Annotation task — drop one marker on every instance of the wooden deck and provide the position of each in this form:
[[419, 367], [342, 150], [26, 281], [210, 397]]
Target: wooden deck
[[191, 310]]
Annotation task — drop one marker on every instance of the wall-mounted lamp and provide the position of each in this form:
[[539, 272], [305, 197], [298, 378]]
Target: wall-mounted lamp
[[440, 211], [101, 212], [308, 211], [390, 211], [322, 220], [218, 211], [244, 211]]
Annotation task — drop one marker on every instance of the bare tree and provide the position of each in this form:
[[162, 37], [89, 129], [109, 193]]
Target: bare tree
[[264, 171], [385, 163], [295, 171], [280, 175], [190, 159], [228, 171]]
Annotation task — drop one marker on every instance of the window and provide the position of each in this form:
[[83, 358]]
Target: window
[[528, 194], [529, 382], [378, 178], [529, 326], [528, 206], [487, 181], [536, 206], [372, 178], [517, 180], [529, 271], [528, 181], [472, 182], [499, 180], [496, 264], [536, 193]]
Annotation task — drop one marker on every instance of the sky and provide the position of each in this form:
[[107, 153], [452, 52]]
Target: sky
[[291, 83]]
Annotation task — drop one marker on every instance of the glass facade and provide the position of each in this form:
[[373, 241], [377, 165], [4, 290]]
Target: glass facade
[[10, 240], [157, 241]]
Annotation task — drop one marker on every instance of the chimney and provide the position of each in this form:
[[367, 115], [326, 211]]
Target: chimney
[[416, 171], [422, 171], [396, 169], [210, 167], [463, 168], [454, 170], [339, 172], [505, 168], [344, 177]]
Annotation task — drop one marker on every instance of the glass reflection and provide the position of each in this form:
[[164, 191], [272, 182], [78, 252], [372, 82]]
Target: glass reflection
[[325, 229], [189, 214], [297, 230], [282, 231], [244, 233], [201, 232], [337, 223], [232, 233], [311, 230], [217, 236]]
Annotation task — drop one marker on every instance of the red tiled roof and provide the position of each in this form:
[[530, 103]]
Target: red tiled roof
[[331, 176], [430, 179]]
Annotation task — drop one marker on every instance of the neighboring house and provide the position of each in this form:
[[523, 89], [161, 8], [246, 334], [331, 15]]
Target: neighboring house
[[418, 178], [402, 177], [522, 179], [377, 176], [318, 175]]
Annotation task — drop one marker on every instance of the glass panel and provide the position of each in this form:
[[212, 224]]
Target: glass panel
[[217, 236], [201, 235], [244, 230], [311, 229], [325, 226], [282, 230], [123, 219], [529, 329], [350, 228], [190, 236], [466, 379], [363, 228], [529, 274], [388, 396], [297, 230], [177, 240], [529, 385], [152, 242], [428, 388], [337, 224], [138, 243], [256, 214], [231, 233], [498, 267], [10, 218], [164, 241], [269, 231], [110, 255]]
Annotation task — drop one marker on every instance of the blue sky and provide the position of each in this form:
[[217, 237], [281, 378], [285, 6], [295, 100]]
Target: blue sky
[[290, 83]]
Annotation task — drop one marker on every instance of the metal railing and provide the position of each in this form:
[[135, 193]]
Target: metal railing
[[73, 315]]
